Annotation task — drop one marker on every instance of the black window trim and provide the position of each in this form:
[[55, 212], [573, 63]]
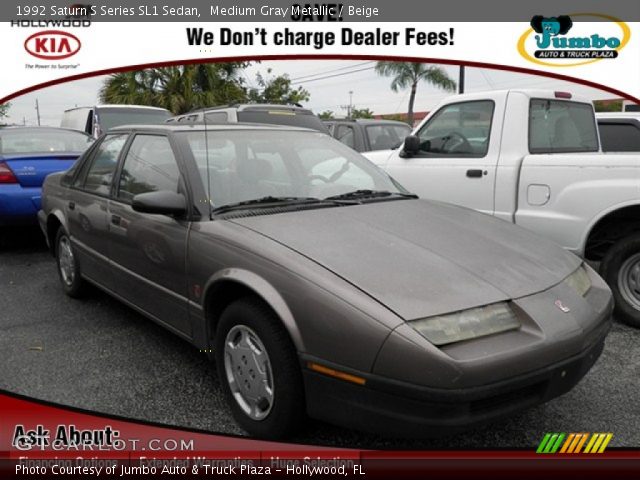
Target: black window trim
[[421, 154], [567, 150]]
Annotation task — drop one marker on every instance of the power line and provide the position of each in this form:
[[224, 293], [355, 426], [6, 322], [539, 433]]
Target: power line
[[332, 76], [331, 71]]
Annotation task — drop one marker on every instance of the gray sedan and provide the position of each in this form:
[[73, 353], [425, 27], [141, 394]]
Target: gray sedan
[[319, 285]]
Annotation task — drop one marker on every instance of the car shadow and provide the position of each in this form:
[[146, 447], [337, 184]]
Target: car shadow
[[23, 239]]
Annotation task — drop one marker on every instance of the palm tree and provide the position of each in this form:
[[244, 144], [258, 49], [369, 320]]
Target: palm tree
[[409, 74], [179, 89]]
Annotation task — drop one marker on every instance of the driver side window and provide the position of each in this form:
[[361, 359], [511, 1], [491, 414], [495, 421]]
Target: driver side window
[[458, 130]]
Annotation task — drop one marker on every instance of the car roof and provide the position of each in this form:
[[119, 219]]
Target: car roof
[[252, 106], [201, 126], [115, 105], [42, 128]]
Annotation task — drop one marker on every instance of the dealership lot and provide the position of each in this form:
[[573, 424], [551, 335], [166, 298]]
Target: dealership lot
[[100, 355]]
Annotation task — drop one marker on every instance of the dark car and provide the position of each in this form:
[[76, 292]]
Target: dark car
[[270, 114], [27, 156], [321, 285], [368, 135]]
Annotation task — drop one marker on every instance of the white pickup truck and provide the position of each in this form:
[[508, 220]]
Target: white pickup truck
[[533, 158]]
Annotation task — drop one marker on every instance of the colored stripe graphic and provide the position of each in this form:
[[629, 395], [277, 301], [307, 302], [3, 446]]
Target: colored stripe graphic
[[572, 443], [568, 442], [550, 443]]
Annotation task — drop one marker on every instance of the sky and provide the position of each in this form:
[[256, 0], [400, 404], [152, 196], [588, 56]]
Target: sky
[[328, 81]]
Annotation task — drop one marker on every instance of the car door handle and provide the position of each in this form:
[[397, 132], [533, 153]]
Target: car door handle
[[115, 219], [72, 205], [475, 173]]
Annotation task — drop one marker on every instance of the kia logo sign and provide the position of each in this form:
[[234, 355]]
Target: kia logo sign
[[52, 45]]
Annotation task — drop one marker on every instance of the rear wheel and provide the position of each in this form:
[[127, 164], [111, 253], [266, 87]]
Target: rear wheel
[[621, 270], [68, 267], [258, 370]]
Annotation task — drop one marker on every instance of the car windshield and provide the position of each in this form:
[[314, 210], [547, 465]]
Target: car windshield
[[246, 165], [114, 117], [31, 140]]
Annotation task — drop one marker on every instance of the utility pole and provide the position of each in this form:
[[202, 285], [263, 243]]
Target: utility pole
[[461, 80], [38, 111], [349, 108]]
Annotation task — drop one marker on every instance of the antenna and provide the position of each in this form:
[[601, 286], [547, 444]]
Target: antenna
[[206, 152]]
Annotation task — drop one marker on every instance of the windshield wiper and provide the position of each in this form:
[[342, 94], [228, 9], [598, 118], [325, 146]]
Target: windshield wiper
[[365, 194], [265, 202]]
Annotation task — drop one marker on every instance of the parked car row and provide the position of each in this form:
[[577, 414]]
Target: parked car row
[[276, 248]]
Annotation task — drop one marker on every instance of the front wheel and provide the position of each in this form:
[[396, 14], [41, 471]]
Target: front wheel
[[621, 270], [258, 370], [68, 268]]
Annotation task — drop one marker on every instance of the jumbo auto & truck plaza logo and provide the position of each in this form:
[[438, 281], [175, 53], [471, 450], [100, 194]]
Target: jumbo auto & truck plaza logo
[[562, 41]]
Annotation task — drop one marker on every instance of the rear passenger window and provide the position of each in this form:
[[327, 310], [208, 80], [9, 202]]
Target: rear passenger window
[[148, 167], [103, 165], [216, 117], [559, 126], [620, 137]]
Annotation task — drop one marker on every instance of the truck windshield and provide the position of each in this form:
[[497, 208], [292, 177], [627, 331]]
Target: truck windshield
[[559, 126]]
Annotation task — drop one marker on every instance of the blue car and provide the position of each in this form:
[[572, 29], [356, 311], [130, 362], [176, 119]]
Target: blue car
[[27, 156]]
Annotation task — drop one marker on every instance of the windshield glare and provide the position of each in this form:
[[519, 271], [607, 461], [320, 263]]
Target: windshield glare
[[42, 141], [247, 165]]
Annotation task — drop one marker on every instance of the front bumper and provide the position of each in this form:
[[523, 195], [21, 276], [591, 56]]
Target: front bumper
[[400, 409]]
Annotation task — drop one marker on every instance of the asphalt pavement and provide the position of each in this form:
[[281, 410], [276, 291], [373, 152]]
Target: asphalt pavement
[[100, 355]]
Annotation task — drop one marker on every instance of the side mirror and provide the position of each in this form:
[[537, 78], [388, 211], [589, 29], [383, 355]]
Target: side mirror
[[161, 202], [411, 146]]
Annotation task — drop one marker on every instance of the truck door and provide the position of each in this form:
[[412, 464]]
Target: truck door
[[458, 156]]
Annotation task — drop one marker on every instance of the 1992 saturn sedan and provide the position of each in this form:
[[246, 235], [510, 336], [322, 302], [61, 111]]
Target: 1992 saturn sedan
[[320, 284]]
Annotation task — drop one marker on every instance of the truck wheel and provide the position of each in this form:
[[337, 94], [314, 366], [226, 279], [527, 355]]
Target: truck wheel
[[68, 268], [259, 371], [621, 270]]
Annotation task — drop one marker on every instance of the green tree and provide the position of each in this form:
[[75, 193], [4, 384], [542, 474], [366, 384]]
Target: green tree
[[410, 74], [4, 109], [608, 105], [179, 89], [361, 113], [277, 89], [326, 115]]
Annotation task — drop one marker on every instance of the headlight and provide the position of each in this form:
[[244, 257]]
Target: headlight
[[467, 324], [579, 281]]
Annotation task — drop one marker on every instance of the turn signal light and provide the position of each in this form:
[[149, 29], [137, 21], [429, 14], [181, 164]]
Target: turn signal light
[[336, 373]]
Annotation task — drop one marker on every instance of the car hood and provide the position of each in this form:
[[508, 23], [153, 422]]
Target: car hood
[[421, 258]]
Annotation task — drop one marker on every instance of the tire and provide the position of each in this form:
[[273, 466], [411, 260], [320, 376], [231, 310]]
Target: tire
[[620, 268], [68, 267], [250, 326]]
